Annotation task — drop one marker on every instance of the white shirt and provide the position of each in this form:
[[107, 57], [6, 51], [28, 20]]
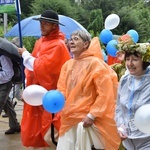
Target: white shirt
[[28, 60], [6, 70]]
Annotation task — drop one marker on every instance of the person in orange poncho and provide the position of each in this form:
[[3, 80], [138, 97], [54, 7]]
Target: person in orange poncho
[[89, 86], [43, 68]]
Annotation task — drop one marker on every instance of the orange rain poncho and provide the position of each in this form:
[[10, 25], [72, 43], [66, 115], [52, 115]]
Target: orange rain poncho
[[90, 86], [51, 53]]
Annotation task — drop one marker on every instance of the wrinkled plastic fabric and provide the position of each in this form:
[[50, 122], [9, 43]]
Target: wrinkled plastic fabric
[[51, 53], [81, 138], [90, 86], [112, 60]]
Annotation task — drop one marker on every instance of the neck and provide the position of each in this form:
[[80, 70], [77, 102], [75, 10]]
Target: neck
[[140, 75]]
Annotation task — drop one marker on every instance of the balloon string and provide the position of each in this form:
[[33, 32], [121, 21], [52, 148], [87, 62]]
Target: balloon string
[[52, 131]]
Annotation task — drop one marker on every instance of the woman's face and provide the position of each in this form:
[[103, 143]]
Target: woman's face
[[77, 45], [134, 65]]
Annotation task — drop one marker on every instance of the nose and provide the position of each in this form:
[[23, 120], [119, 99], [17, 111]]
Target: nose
[[71, 41], [130, 62]]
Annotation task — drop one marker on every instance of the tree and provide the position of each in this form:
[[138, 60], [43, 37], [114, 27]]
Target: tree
[[136, 17], [26, 7], [134, 14], [96, 21], [61, 7]]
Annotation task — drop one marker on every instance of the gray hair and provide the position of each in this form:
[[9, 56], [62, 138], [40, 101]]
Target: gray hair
[[85, 36], [16, 41]]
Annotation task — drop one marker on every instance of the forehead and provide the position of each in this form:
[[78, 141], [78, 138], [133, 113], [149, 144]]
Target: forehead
[[45, 23], [75, 35], [133, 57]]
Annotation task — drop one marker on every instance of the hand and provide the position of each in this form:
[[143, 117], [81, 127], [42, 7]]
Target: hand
[[122, 136], [21, 50], [22, 100], [122, 132], [87, 122], [120, 55]]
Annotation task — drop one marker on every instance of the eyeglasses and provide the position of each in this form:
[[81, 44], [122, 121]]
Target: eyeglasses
[[74, 39]]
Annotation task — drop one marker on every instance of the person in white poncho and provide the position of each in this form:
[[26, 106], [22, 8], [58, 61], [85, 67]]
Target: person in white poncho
[[133, 92]]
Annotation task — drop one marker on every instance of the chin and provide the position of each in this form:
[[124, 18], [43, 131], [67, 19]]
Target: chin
[[133, 74], [72, 51], [43, 34], [136, 74]]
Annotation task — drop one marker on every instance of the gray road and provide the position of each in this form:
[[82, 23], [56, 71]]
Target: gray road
[[10, 142]]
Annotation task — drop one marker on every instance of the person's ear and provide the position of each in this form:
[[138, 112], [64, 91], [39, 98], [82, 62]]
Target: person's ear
[[55, 25], [86, 44]]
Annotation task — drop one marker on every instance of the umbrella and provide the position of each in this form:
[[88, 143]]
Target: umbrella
[[31, 27], [9, 49]]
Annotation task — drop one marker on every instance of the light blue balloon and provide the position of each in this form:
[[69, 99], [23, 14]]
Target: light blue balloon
[[105, 36], [104, 55], [134, 35], [53, 101], [111, 48]]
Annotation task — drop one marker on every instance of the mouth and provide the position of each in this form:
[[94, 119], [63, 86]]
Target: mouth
[[72, 46], [131, 69]]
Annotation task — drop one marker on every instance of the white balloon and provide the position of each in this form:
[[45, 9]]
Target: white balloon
[[33, 95], [112, 21], [142, 118]]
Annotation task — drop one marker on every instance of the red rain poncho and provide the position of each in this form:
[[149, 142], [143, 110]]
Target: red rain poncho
[[51, 53]]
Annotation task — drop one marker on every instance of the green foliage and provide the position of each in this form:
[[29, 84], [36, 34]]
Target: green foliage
[[136, 17], [107, 6], [61, 7], [26, 7], [1, 30], [134, 14], [28, 43], [80, 14], [143, 24], [127, 21], [96, 21]]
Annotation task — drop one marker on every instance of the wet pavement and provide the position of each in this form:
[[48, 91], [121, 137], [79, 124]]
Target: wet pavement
[[11, 142]]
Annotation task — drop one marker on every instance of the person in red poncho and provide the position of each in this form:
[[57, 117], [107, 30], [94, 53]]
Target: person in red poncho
[[43, 68]]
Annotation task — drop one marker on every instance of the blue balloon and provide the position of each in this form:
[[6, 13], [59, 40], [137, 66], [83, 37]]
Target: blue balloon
[[134, 35], [105, 36], [111, 48], [53, 101]]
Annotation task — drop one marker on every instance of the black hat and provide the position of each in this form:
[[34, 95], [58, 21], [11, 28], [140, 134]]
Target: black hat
[[49, 16]]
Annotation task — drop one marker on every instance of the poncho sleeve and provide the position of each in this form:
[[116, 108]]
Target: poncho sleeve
[[48, 65], [118, 111]]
